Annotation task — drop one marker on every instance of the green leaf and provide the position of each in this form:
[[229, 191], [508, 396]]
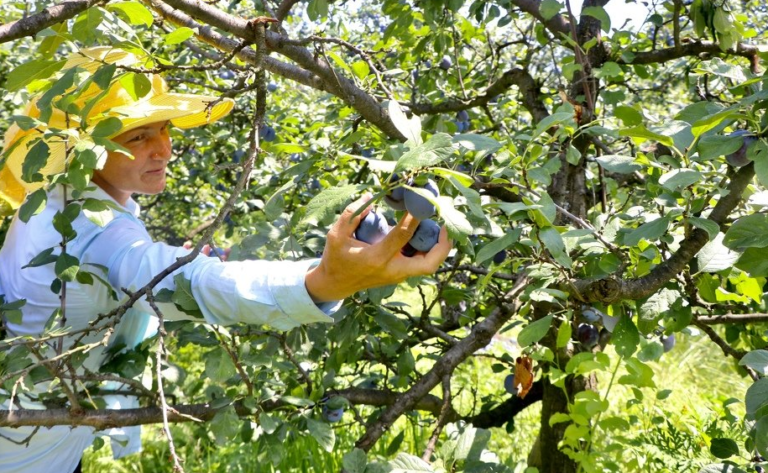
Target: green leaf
[[225, 425], [761, 436], [679, 179], [628, 115], [600, 14], [642, 134], [219, 366], [317, 9], [757, 360], [97, 211], [328, 202], [66, 267], [34, 204], [137, 85], [436, 149], [754, 261], [179, 35], [410, 128], [354, 461], [534, 331], [106, 128], [549, 8], [723, 448], [36, 159], [405, 463], [748, 232], [712, 228], [183, 297], [709, 122], [491, 249], [713, 146], [44, 257], [482, 144], [564, 334], [715, 256], [625, 337], [87, 24], [553, 241], [721, 468], [36, 69], [322, 433], [455, 221], [618, 164], [650, 231], [757, 397], [134, 12], [361, 71]]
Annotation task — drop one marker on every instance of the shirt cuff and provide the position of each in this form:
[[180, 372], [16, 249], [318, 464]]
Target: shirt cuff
[[290, 293]]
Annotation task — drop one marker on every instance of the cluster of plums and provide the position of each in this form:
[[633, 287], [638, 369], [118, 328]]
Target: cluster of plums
[[374, 227], [588, 334]]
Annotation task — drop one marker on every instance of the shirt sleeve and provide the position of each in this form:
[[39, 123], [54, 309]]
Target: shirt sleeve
[[253, 292]]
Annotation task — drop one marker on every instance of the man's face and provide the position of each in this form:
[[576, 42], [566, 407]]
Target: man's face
[[145, 174]]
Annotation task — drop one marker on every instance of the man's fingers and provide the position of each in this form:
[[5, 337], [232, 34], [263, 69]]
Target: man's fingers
[[348, 222], [400, 234]]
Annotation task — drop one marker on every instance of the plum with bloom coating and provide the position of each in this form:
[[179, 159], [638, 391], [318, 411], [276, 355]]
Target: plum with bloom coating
[[332, 415], [509, 384], [426, 236], [739, 157], [668, 342], [395, 198], [417, 205], [587, 335], [373, 228]]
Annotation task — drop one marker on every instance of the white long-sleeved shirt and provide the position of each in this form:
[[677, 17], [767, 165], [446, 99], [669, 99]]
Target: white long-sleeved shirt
[[123, 253]]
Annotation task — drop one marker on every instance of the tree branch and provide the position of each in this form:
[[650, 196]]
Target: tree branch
[[33, 24], [326, 77], [613, 289], [479, 337]]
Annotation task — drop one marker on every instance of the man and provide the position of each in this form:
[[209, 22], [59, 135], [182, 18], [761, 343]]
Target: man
[[282, 294]]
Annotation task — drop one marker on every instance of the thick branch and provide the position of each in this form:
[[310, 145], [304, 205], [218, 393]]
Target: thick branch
[[331, 80], [733, 319], [611, 290], [529, 89], [34, 24], [557, 25], [479, 337], [508, 409], [690, 48]]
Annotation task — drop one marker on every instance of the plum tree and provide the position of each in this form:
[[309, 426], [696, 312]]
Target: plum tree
[[373, 228], [417, 205]]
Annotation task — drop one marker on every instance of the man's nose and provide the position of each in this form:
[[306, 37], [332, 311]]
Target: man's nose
[[162, 148]]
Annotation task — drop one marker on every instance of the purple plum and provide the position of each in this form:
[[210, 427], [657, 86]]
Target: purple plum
[[426, 236], [373, 228], [417, 205], [588, 335]]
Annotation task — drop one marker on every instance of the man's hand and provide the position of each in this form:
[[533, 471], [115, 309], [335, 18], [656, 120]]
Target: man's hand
[[349, 265], [207, 250]]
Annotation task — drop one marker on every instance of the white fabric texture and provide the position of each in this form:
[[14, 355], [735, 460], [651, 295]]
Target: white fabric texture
[[254, 292]]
